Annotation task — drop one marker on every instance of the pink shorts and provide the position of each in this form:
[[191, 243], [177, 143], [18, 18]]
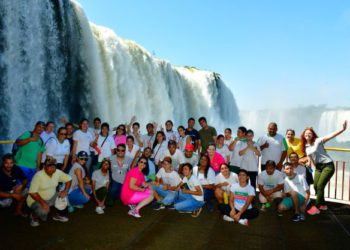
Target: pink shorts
[[139, 196]]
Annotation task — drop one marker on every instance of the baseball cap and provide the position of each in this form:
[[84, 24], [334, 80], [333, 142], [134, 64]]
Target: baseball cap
[[189, 147], [83, 154]]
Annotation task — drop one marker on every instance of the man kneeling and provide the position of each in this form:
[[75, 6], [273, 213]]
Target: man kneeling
[[297, 191], [42, 192]]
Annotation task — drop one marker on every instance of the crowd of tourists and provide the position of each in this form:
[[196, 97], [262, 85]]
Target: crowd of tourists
[[183, 169]]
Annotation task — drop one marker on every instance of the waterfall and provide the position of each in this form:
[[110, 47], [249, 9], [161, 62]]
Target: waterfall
[[54, 63]]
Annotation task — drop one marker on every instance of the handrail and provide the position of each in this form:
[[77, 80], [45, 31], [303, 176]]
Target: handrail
[[7, 142]]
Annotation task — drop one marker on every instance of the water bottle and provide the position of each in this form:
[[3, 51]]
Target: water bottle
[[225, 195]]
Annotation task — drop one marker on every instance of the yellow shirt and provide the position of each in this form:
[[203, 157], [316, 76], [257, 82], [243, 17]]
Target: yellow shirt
[[295, 147], [45, 185]]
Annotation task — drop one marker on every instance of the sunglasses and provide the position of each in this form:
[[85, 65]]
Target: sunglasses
[[83, 159], [143, 162]]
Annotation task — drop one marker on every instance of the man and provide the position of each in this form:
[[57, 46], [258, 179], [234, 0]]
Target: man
[[13, 185], [190, 156], [31, 147], [298, 169], [170, 134], [270, 183], [191, 131], [207, 136], [148, 139], [42, 192], [297, 191], [273, 147], [235, 146], [70, 131], [48, 134], [175, 154]]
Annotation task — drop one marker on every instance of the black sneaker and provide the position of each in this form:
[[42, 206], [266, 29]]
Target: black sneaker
[[171, 207], [296, 218]]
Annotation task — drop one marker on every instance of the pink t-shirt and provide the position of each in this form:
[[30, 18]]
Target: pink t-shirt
[[119, 139], [216, 162], [126, 192]]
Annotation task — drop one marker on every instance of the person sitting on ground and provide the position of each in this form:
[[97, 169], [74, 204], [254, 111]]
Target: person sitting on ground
[[147, 152], [59, 149], [100, 184], [190, 199], [166, 184], [80, 190], [222, 149], [30, 150], [135, 190], [297, 192], [13, 185], [270, 183], [223, 182], [215, 158], [120, 166], [42, 193], [206, 177], [241, 198]]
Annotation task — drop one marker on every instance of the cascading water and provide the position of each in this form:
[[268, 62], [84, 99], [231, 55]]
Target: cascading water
[[54, 63]]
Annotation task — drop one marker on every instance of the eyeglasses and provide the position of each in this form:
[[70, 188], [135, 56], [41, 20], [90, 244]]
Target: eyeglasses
[[120, 150], [143, 162]]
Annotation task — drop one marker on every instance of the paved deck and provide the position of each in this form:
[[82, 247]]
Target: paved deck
[[168, 229]]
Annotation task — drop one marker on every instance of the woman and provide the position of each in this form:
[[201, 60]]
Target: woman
[[135, 191], [250, 152], [100, 184], [159, 147], [240, 207], [183, 138], [131, 148], [294, 145], [206, 176], [105, 144], [166, 184], [120, 135], [58, 149], [79, 190], [190, 197], [313, 147], [216, 159], [223, 182]]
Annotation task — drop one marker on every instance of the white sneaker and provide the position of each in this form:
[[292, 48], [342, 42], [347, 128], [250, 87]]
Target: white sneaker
[[243, 222], [34, 222], [60, 218], [227, 218], [99, 210]]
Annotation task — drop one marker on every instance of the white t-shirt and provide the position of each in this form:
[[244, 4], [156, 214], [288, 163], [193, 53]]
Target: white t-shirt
[[131, 154], [200, 176], [100, 179], [177, 158], [158, 152], [148, 140], [74, 177], [232, 179], [106, 148], [241, 195], [297, 184], [192, 183], [135, 140], [193, 160], [119, 170], [277, 145], [317, 152], [84, 139], [301, 170], [225, 152], [172, 178], [270, 181], [182, 142], [235, 157], [169, 135], [249, 160], [56, 150], [228, 142], [47, 136]]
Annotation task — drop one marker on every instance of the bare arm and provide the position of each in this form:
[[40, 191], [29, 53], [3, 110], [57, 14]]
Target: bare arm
[[336, 133]]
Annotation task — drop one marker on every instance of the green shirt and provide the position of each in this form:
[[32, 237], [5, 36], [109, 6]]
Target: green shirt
[[206, 137], [27, 154]]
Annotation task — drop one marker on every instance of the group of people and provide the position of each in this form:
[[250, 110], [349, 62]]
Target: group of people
[[183, 170]]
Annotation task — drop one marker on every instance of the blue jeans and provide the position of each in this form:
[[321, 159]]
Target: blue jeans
[[115, 190], [29, 173], [208, 196], [168, 195], [76, 197], [186, 203]]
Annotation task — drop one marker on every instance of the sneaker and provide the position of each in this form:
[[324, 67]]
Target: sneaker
[[302, 217], [185, 212], [227, 218], [159, 207], [99, 210], [79, 206], [296, 218], [134, 213], [132, 207], [267, 204], [60, 218], [323, 208], [171, 207], [34, 222], [243, 222], [279, 214], [70, 209], [313, 210], [196, 212]]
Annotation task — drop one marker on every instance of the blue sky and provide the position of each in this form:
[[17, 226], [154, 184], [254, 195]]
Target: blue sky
[[272, 54]]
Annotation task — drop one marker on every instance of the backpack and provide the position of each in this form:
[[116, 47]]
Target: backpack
[[15, 147]]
